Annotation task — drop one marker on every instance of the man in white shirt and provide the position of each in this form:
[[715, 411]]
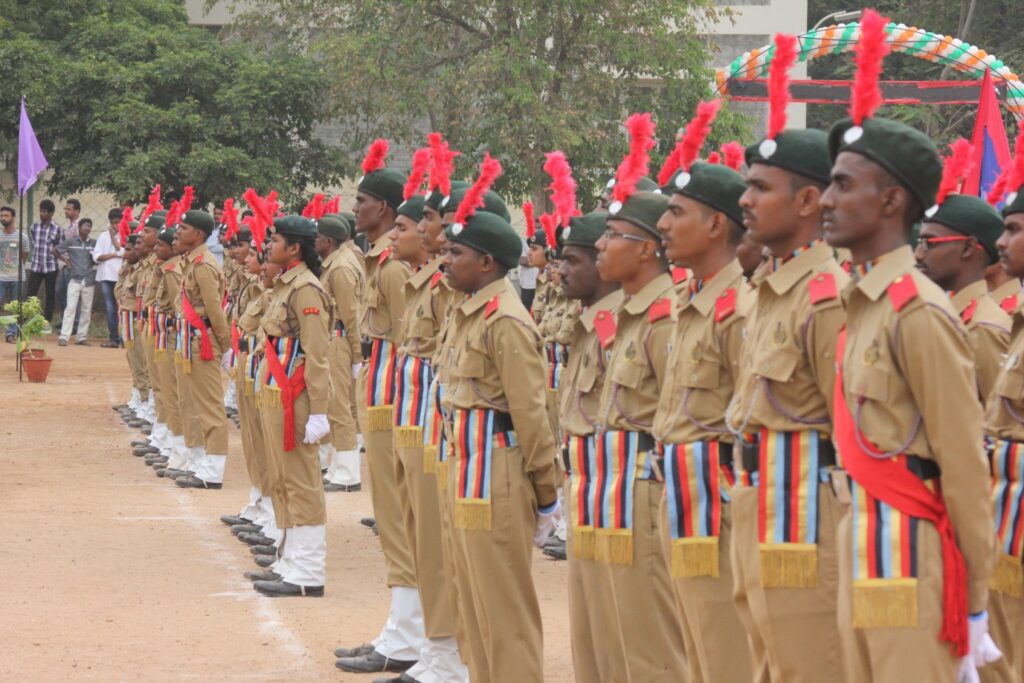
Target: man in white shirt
[[527, 279], [108, 257]]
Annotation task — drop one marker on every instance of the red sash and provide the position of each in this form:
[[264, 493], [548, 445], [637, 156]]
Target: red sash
[[235, 337], [290, 388], [892, 483], [193, 319]]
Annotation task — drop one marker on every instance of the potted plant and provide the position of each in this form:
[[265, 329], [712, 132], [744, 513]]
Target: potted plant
[[31, 329]]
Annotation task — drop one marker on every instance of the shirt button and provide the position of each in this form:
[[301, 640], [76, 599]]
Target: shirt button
[[764, 367]]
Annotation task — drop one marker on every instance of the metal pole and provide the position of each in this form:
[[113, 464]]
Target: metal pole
[[841, 16], [21, 273]]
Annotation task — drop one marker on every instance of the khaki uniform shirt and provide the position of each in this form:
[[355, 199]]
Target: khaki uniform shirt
[[788, 374], [148, 274], [343, 279], [583, 377], [703, 360], [1008, 296], [129, 299], [638, 366], [203, 283], [540, 297], [122, 280], [988, 331], [429, 301], [384, 300], [1004, 414], [916, 363], [299, 308], [168, 289], [252, 312], [492, 359]]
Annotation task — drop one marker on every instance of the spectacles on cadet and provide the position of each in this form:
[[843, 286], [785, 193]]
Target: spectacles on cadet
[[926, 243], [610, 234]]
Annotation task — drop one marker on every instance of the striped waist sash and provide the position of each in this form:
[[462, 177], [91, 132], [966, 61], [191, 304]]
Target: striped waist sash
[[476, 432], [127, 327], [434, 451], [581, 454], [1008, 502], [158, 328], [621, 458], [557, 356], [694, 492], [412, 405], [380, 384], [289, 352]]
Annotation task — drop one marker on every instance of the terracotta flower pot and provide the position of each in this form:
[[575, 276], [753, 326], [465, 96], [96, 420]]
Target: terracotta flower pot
[[33, 353], [36, 368]]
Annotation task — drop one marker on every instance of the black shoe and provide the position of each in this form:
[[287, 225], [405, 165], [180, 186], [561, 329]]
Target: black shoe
[[255, 539], [139, 443], [263, 550], [346, 488], [232, 520], [265, 560], [359, 651], [368, 521], [375, 530], [194, 482], [404, 678], [283, 589], [160, 463], [555, 552], [171, 473], [161, 471], [246, 528], [144, 450], [262, 576], [372, 663]]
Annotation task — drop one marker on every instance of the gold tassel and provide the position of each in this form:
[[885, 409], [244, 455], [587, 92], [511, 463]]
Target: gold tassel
[[380, 418], [268, 397], [250, 387], [885, 603], [430, 459], [186, 366], [789, 565], [408, 437], [582, 542], [159, 355], [129, 343], [614, 546], [693, 557], [473, 514], [1008, 576]]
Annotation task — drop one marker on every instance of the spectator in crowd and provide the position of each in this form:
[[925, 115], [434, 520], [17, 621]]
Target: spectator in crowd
[[527, 278], [76, 255], [107, 255], [10, 256], [72, 210], [43, 237]]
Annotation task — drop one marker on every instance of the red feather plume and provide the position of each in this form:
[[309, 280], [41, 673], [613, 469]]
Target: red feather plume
[[123, 229], [778, 82], [871, 49], [230, 219], [714, 158], [733, 153], [174, 215], [315, 209], [375, 155], [563, 187], [998, 189], [549, 222], [273, 206], [531, 225], [263, 217], [955, 168], [333, 206], [1016, 176], [636, 164], [153, 204], [442, 165], [687, 149], [420, 163], [187, 196], [490, 169]]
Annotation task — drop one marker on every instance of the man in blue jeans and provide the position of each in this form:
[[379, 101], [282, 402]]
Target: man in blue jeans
[[10, 254], [107, 255]]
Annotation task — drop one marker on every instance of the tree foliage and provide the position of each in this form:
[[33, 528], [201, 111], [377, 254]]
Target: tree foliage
[[124, 94], [516, 77]]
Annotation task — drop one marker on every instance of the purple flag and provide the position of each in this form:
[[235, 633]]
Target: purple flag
[[31, 160]]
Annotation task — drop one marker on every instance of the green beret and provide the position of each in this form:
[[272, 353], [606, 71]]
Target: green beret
[[244, 235], [166, 235], [199, 219], [412, 208], [133, 238], [351, 218], [134, 225], [971, 216], [491, 234], [642, 209], [906, 153], [643, 185], [160, 212], [584, 231], [435, 198], [386, 184], [333, 226], [713, 185], [294, 226], [493, 203], [1014, 203], [804, 152], [154, 221], [538, 239]]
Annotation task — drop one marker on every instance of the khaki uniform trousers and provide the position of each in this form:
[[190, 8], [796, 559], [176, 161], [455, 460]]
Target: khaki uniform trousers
[[294, 480], [207, 400], [494, 577], [421, 515], [149, 356], [249, 422], [339, 412], [193, 432], [137, 363], [447, 518], [163, 362], [781, 622], [716, 642], [896, 655], [1006, 625], [387, 508]]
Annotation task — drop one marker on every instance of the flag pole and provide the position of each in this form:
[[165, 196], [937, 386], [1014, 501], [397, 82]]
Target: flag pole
[[21, 274]]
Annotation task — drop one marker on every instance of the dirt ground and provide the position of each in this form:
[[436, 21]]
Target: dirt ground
[[112, 574]]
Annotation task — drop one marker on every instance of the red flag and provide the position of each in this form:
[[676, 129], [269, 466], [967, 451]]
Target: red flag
[[991, 147]]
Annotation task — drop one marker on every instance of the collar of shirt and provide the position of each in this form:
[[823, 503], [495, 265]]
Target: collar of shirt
[[481, 297], [335, 255], [196, 252], [786, 276], [704, 300], [423, 274], [377, 248], [642, 300], [1006, 289], [609, 302], [292, 272], [963, 298], [885, 270]]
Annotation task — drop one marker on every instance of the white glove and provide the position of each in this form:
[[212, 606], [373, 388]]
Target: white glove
[[225, 360], [316, 428], [982, 649], [546, 523], [355, 370]]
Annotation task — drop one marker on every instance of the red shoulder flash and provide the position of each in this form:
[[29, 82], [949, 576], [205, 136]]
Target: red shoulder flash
[[169, 266], [901, 292], [822, 287], [847, 267], [435, 279], [725, 305], [492, 306], [311, 310], [384, 255], [679, 274], [605, 326], [662, 308], [199, 258], [968, 313], [1009, 303]]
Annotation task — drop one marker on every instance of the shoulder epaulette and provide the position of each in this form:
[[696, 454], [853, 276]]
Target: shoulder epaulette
[[384, 255], [725, 305], [435, 279], [659, 310], [492, 306], [169, 266], [901, 292], [968, 313], [605, 326], [1009, 303], [679, 274], [822, 287]]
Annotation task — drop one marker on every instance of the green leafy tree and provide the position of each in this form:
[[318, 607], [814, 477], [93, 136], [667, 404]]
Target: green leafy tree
[[516, 77], [126, 94]]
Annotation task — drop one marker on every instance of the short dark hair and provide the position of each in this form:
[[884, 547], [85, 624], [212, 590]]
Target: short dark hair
[[798, 182], [115, 214], [83, 221], [47, 205], [75, 203], [8, 210]]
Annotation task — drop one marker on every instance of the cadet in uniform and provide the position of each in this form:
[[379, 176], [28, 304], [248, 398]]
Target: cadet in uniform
[[292, 391], [536, 257], [167, 288], [149, 269], [700, 229], [205, 339], [128, 303]]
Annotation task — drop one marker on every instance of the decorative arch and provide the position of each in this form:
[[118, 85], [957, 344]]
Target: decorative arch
[[916, 42]]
